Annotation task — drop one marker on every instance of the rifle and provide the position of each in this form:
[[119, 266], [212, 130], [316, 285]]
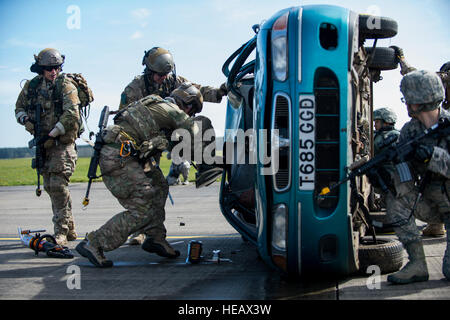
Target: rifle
[[92, 172], [155, 164], [396, 153], [38, 141]]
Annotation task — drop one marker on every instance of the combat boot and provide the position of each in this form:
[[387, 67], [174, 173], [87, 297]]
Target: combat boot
[[61, 239], [71, 235], [136, 239], [416, 269], [94, 254], [434, 230], [160, 246]]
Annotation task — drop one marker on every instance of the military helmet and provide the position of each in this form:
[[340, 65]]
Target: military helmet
[[385, 114], [445, 67], [188, 94], [49, 57], [424, 88], [158, 60]]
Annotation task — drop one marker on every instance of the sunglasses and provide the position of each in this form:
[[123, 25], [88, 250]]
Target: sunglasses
[[51, 68], [162, 74]]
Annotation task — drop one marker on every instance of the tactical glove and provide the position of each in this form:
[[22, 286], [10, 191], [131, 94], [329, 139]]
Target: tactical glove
[[29, 126], [57, 130], [372, 175], [398, 53], [423, 153], [381, 179], [223, 91], [150, 147]]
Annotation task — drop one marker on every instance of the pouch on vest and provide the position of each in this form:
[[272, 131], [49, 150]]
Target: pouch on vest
[[84, 94]]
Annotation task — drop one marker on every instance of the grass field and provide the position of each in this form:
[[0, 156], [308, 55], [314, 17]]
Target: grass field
[[18, 172]]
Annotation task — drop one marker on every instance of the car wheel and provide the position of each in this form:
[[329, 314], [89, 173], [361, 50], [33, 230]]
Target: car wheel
[[382, 59], [374, 27], [387, 254]]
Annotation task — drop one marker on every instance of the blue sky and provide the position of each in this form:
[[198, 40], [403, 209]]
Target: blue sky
[[112, 36]]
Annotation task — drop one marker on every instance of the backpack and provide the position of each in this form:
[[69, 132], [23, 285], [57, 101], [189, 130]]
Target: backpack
[[84, 94]]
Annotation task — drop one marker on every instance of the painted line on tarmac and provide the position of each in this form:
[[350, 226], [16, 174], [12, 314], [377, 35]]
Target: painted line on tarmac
[[168, 237]]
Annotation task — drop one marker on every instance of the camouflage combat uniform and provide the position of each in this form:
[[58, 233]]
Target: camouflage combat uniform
[[434, 207], [385, 136], [142, 86], [141, 190], [379, 145], [381, 136], [60, 153], [432, 229]]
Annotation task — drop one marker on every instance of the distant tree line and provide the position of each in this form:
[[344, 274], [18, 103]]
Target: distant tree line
[[84, 151]]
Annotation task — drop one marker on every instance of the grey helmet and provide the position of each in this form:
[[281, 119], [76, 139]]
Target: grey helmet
[[385, 114], [158, 60], [188, 94], [48, 57], [445, 67], [423, 88]]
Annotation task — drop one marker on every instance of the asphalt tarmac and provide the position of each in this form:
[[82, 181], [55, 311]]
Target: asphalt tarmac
[[137, 275]]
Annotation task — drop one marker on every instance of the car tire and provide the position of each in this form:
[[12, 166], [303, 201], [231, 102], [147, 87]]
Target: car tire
[[382, 59], [375, 27], [387, 254]]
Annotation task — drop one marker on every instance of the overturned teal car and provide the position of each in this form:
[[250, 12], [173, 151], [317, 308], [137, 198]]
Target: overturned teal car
[[299, 114]]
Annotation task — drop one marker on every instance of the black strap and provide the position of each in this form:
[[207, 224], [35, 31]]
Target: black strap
[[147, 83], [39, 239], [32, 92], [57, 96]]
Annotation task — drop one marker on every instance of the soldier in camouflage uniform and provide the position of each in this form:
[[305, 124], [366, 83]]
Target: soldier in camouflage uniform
[[128, 163], [384, 122], [423, 92], [432, 229], [60, 120], [159, 78], [385, 135]]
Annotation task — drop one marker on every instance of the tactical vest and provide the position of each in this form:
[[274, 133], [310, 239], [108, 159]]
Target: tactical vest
[[137, 120], [164, 89], [85, 95]]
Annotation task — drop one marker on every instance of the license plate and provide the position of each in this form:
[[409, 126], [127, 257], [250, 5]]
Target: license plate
[[307, 129]]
